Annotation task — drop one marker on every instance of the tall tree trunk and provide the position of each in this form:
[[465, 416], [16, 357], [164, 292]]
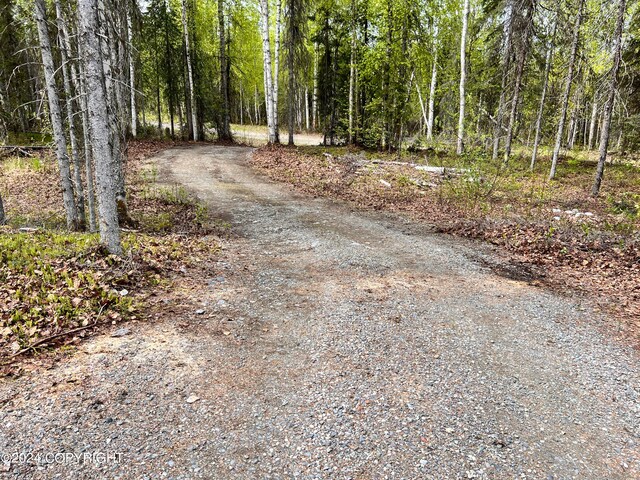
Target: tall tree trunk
[[187, 56], [525, 34], [592, 125], [352, 74], [225, 128], [132, 76], [268, 80], [56, 116], [3, 217], [432, 95], [255, 105], [463, 76], [114, 81], [423, 110], [88, 157], [70, 106], [506, 63], [306, 106], [543, 96], [567, 91], [106, 164], [276, 74], [608, 107], [167, 46], [314, 100]]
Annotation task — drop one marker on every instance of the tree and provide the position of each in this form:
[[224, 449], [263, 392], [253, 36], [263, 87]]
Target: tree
[[225, 129], [567, 90], [99, 125], [56, 116], [432, 86], [276, 76], [608, 107], [70, 105], [3, 218], [295, 34], [463, 76], [268, 79], [543, 95], [525, 26], [132, 70]]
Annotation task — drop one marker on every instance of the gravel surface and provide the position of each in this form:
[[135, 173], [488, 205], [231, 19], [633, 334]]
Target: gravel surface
[[334, 344]]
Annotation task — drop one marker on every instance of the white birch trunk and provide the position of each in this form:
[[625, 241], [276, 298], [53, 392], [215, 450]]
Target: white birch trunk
[[132, 78], [314, 100], [192, 100], [276, 75], [463, 76], [56, 116], [422, 107], [268, 80], [432, 96]]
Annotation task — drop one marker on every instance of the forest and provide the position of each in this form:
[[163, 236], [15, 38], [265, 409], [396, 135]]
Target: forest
[[489, 77]]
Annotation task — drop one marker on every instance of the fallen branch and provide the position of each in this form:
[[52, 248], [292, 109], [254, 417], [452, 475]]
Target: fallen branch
[[57, 335], [52, 337]]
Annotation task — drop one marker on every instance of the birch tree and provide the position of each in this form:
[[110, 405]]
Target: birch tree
[[432, 92], [463, 76], [268, 79], [56, 116], [276, 75], [132, 74]]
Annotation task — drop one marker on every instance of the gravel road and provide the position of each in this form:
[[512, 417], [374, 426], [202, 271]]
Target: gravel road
[[334, 345]]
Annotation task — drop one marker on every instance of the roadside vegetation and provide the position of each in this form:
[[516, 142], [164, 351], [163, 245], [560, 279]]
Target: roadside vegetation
[[57, 287], [559, 233]]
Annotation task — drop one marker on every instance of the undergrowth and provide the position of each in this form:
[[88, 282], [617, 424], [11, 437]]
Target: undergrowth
[[57, 286]]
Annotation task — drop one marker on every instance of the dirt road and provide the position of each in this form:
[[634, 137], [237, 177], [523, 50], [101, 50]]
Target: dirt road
[[336, 344]]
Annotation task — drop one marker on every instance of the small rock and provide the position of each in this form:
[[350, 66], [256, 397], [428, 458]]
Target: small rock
[[121, 332], [192, 399], [200, 312]]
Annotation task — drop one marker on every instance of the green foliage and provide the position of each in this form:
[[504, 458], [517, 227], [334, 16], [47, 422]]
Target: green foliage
[[57, 281]]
